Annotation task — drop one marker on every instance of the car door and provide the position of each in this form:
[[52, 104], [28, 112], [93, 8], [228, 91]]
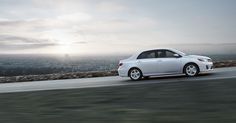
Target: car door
[[147, 62], [168, 63]]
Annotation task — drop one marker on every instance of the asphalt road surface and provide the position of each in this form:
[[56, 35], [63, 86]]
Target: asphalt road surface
[[217, 74]]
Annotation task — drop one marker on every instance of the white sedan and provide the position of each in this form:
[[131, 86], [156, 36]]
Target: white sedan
[[158, 62]]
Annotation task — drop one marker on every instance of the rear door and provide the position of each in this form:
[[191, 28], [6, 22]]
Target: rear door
[[147, 62]]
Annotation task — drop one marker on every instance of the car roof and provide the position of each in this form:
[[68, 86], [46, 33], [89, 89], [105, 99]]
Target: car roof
[[141, 51]]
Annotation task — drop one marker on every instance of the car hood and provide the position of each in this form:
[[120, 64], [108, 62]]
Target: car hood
[[198, 56]]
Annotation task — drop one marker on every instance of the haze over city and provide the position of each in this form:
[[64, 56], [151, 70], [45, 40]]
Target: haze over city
[[116, 26]]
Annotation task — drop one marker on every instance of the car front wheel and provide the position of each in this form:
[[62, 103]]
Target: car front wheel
[[135, 74], [191, 70]]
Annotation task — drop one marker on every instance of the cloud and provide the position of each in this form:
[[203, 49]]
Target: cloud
[[111, 6], [119, 25], [80, 42], [67, 25], [6, 22], [16, 42], [75, 17], [4, 19]]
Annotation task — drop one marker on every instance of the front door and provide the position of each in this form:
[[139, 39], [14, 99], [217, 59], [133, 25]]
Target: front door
[[168, 63]]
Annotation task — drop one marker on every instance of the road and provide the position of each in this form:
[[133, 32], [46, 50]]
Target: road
[[220, 73]]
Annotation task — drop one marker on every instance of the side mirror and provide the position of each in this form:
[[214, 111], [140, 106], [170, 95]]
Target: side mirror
[[177, 55]]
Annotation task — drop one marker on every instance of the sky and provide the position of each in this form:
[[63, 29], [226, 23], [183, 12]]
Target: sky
[[116, 26]]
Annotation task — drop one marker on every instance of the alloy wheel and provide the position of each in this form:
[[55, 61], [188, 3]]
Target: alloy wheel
[[191, 70], [135, 74]]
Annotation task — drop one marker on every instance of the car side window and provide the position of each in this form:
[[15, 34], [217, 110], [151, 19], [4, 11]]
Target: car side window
[[147, 55], [161, 54], [170, 54], [165, 54]]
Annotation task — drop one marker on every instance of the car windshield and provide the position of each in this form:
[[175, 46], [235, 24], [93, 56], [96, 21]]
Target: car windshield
[[180, 52]]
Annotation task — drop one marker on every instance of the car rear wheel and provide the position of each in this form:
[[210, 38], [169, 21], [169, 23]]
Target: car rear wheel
[[135, 74], [191, 70]]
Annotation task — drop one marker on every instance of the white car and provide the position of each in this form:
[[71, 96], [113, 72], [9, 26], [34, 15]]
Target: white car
[[165, 61]]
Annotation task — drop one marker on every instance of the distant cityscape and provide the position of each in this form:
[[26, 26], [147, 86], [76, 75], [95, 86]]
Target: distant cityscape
[[15, 65]]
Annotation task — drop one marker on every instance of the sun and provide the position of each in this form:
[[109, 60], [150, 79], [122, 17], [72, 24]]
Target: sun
[[63, 42]]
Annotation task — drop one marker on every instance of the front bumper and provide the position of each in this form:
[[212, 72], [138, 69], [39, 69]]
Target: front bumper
[[206, 66]]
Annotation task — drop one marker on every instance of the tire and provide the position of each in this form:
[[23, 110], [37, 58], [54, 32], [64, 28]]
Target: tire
[[191, 70], [135, 74]]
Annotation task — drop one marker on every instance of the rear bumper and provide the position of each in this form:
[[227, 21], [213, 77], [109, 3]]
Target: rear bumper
[[123, 72]]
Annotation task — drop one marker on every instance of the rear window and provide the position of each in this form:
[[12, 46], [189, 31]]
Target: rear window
[[147, 55]]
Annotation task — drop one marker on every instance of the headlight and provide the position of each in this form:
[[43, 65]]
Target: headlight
[[209, 60], [203, 60]]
